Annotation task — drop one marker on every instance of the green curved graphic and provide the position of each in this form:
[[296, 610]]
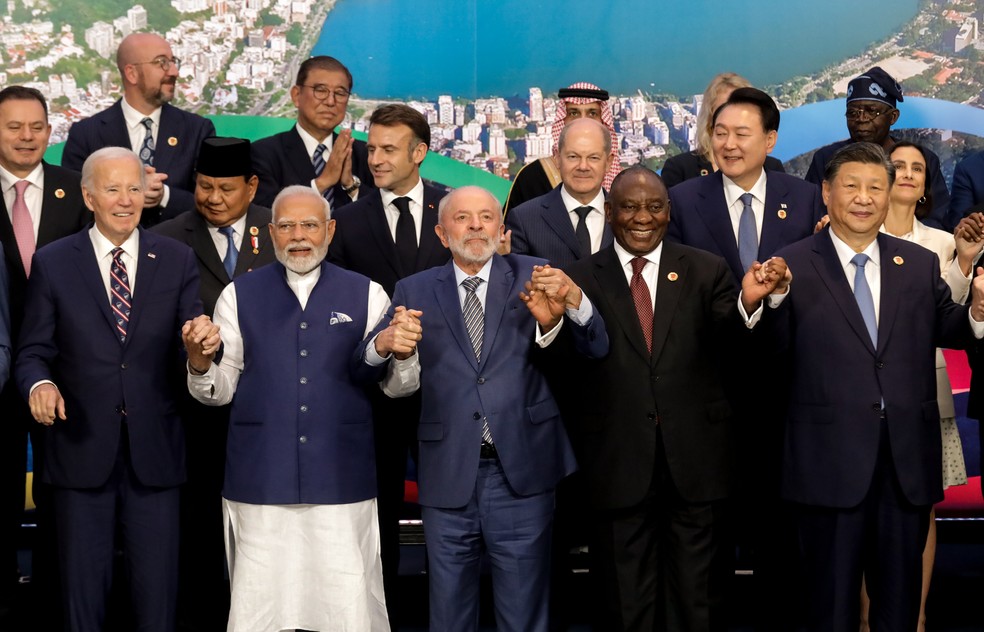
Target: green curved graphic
[[436, 167]]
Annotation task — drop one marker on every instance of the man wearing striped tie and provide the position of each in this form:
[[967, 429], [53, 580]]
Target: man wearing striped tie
[[101, 367], [311, 152]]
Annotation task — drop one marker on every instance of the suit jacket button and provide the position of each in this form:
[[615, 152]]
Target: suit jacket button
[[876, 407], [303, 439], [123, 366], [481, 380], [303, 380], [303, 325], [651, 416], [304, 353], [880, 365], [304, 408], [477, 416]]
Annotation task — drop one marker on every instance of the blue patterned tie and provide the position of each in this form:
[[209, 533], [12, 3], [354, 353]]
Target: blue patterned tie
[[862, 294], [232, 255], [318, 162], [474, 315], [119, 284], [748, 241], [148, 146]]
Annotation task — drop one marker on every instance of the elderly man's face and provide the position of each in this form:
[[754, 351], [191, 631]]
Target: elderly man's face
[[857, 201], [638, 210], [319, 117], [301, 233], [24, 132], [870, 121], [115, 197], [470, 227], [582, 159], [222, 201]]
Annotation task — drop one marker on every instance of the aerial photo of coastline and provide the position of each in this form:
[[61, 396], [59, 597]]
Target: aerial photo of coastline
[[486, 78]]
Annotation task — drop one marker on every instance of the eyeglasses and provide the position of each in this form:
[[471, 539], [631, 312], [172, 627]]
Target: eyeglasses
[[309, 227], [864, 115], [322, 92], [163, 62]]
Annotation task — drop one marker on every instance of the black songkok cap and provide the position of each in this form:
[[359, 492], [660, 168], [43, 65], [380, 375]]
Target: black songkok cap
[[875, 85], [221, 157]]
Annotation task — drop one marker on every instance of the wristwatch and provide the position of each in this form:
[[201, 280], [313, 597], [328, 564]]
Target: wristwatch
[[356, 183]]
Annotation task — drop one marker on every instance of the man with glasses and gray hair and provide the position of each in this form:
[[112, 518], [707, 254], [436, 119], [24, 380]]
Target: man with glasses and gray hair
[[312, 153], [165, 137], [299, 498], [871, 111]]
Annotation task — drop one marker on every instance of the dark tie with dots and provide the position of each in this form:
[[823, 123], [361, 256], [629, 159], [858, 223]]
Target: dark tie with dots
[[119, 285], [406, 236], [581, 232], [643, 300], [147, 148]]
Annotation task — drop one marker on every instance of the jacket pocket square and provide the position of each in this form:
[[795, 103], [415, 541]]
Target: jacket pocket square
[[339, 317]]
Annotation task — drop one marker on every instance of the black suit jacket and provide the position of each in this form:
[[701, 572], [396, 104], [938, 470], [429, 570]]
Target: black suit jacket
[[363, 242], [62, 213], [178, 139], [621, 405], [282, 160], [192, 229]]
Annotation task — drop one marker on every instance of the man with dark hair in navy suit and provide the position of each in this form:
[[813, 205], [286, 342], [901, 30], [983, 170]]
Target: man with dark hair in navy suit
[[311, 153], [165, 137], [99, 362]]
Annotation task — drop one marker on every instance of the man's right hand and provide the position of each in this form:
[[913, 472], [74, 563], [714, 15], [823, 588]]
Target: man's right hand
[[46, 402], [335, 166], [402, 335]]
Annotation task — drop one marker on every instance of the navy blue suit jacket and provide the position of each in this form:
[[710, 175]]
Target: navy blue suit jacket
[[178, 140], [506, 386], [282, 160], [69, 337], [839, 378], [542, 227], [363, 242], [968, 185], [699, 216]]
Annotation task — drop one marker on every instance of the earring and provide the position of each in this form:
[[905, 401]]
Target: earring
[[922, 200]]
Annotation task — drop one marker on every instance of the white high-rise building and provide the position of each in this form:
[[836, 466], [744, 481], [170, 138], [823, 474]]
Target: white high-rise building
[[497, 142], [471, 132], [445, 108], [99, 37], [138, 17], [536, 105], [122, 24]]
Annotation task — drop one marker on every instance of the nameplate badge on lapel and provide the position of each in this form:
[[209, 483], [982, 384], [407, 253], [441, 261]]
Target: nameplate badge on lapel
[[59, 193], [672, 276], [172, 141], [151, 255]]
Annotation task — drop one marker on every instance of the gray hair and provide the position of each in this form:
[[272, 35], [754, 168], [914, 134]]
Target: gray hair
[[446, 200], [109, 153], [865, 153], [301, 191], [606, 133]]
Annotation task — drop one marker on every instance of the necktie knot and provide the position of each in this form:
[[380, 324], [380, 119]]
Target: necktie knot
[[860, 260], [582, 212], [227, 231], [148, 123], [117, 253], [638, 264], [20, 186], [746, 200], [471, 283], [402, 204]]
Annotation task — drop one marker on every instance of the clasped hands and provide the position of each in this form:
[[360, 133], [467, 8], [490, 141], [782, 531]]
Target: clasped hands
[[549, 293], [400, 338], [201, 340], [763, 279]]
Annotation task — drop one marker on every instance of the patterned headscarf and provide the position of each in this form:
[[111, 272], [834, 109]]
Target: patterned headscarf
[[582, 93]]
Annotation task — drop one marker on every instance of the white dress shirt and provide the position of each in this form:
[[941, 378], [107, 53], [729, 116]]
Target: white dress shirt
[[595, 219], [137, 132], [222, 242], [732, 195], [416, 195]]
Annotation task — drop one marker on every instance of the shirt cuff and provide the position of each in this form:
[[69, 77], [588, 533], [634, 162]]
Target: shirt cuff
[[372, 356]]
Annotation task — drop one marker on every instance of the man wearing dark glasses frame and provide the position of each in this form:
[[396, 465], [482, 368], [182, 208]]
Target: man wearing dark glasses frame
[[165, 137]]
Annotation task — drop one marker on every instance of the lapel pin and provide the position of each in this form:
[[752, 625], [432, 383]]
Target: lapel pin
[[256, 251], [430, 206], [59, 193], [782, 213], [704, 172], [172, 141], [897, 260], [782, 204], [672, 276], [254, 231], [151, 255]]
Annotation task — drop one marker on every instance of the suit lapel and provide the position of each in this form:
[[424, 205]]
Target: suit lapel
[[297, 156], [89, 268], [446, 292], [114, 132], [496, 298], [831, 272], [558, 219], [773, 218], [7, 237], [668, 292], [891, 288], [57, 218], [375, 218], [204, 247], [247, 256], [615, 291], [146, 272], [432, 252], [713, 211]]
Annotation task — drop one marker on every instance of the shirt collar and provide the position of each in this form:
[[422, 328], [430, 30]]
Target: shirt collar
[[484, 274], [238, 226], [625, 257], [732, 191], [310, 142], [133, 117], [416, 194], [8, 180], [845, 253], [596, 204], [104, 246]]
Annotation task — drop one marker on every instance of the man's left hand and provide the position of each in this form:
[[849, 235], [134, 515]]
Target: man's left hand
[[762, 279], [549, 293], [201, 341]]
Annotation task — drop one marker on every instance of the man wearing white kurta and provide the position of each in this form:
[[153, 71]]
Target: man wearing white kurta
[[299, 503]]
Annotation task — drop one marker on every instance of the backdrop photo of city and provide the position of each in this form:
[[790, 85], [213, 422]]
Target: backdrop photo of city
[[239, 57]]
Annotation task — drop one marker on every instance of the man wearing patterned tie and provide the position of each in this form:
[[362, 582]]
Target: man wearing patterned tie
[[652, 422], [312, 153], [165, 137], [230, 238], [100, 364], [40, 203], [862, 453], [492, 443]]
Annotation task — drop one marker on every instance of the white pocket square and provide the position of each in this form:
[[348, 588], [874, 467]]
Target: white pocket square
[[339, 317]]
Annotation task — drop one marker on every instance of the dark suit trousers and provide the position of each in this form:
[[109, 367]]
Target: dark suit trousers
[[663, 564], [87, 521], [882, 539]]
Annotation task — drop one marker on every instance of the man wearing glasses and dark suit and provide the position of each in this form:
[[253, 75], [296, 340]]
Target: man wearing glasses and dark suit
[[165, 137]]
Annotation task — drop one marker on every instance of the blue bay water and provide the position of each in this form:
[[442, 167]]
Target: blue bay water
[[474, 48]]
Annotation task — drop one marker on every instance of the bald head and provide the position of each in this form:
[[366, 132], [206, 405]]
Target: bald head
[[148, 70], [586, 127]]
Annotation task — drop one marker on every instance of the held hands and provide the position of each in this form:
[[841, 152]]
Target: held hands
[[402, 335], [968, 237], [46, 401], [762, 279], [550, 292], [201, 341], [338, 167], [977, 295], [154, 192]]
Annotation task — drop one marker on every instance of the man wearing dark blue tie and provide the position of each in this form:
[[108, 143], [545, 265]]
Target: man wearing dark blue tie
[[862, 454], [99, 362]]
